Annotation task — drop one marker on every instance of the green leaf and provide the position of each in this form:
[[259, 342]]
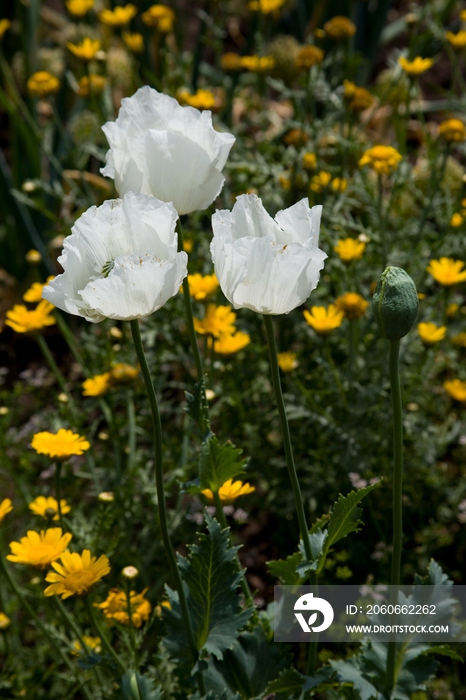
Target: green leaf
[[285, 569], [248, 666], [198, 408], [344, 518], [317, 541], [218, 463], [211, 579], [349, 672], [443, 651], [137, 687], [290, 682]]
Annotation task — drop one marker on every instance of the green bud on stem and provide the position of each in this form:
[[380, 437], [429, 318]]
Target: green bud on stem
[[395, 303]]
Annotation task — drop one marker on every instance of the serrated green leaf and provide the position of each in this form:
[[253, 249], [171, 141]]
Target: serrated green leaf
[[137, 687], [290, 682], [443, 651], [198, 408], [218, 463], [248, 666], [285, 569], [317, 541], [211, 579], [349, 672]]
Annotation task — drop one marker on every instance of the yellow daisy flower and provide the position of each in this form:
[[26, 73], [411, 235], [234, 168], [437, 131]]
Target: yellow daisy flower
[[121, 372], [39, 549], [229, 344], [382, 159], [266, 7], [447, 271], [230, 61], [86, 50], [352, 304], [229, 491], [59, 445], [202, 286], [4, 621], [452, 130], [34, 293], [97, 385], [431, 333], [22, 320], [92, 84], [320, 181], [159, 17], [309, 161], [202, 99], [417, 66], [78, 8], [457, 389], [349, 249], [456, 220], [134, 41], [33, 257], [340, 27], [119, 16], [458, 41], [43, 84], [324, 320], [115, 607], [287, 361], [47, 507], [76, 574], [6, 506], [93, 643], [459, 340], [218, 321], [309, 56], [257, 64]]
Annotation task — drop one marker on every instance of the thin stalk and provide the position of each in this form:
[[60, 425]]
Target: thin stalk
[[189, 315], [102, 636], [381, 218], [70, 340], [131, 428], [43, 629], [223, 522], [130, 623], [58, 491], [56, 371], [394, 375], [335, 374], [157, 436]]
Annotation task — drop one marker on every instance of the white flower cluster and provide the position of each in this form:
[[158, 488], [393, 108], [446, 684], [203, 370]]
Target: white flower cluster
[[121, 260]]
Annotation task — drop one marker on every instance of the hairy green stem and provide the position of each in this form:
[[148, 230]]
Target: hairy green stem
[[394, 375], [157, 437]]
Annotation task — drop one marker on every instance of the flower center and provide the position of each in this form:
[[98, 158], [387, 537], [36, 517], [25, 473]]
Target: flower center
[[108, 267], [78, 581]]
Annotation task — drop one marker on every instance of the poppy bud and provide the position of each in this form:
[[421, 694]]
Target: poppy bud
[[395, 303]]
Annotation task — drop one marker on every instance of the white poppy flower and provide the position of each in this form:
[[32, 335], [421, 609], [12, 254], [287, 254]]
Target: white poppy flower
[[173, 153], [120, 261], [269, 266]]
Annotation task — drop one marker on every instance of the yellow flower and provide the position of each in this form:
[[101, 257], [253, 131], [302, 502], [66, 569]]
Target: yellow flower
[[230, 61], [447, 271], [463, 15], [431, 333], [202, 286], [4, 621], [43, 84], [39, 549], [456, 220], [76, 574], [92, 84], [159, 17], [309, 56], [44, 506], [33, 256], [320, 181], [452, 310], [287, 361], [218, 320], [258, 64], [188, 245], [228, 344], [296, 137], [339, 184], [352, 304], [6, 506], [24, 321], [323, 320], [358, 98], [266, 7], [284, 181], [417, 66], [459, 340], [202, 99], [340, 27], [60, 445], [86, 50], [119, 16], [452, 130], [121, 372], [349, 249], [115, 607], [163, 604], [4, 25], [78, 8], [457, 40], [383, 159], [134, 41], [34, 293], [97, 385], [309, 161], [90, 642], [229, 491], [457, 389]]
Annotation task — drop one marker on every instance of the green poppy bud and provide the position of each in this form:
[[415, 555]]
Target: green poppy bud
[[395, 303]]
